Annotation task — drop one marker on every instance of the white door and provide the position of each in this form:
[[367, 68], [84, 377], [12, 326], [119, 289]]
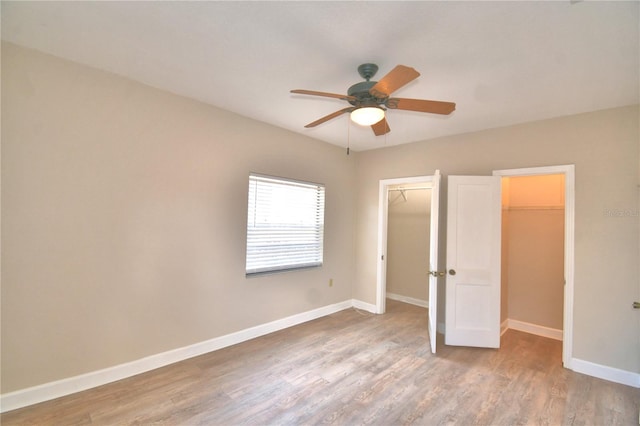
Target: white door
[[473, 261], [433, 261]]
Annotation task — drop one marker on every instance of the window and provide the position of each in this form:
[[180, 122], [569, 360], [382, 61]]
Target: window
[[285, 224]]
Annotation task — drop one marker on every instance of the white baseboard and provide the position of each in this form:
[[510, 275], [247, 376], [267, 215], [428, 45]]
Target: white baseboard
[[410, 300], [47, 391], [538, 330], [606, 373], [363, 306], [504, 326]]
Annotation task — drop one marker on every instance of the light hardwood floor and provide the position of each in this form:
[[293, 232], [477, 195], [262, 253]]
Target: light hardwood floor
[[354, 368]]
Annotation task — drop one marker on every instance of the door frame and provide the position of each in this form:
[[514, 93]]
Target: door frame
[[383, 216], [569, 245]]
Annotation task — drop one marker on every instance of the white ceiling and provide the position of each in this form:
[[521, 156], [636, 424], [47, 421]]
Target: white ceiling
[[501, 62]]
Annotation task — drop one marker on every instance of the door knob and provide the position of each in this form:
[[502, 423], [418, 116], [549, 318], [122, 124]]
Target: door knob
[[636, 305], [452, 271]]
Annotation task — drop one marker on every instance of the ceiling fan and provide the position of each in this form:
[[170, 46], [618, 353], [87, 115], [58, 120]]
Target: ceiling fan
[[370, 99]]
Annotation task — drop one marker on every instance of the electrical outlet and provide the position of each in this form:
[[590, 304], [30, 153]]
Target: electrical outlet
[[330, 282]]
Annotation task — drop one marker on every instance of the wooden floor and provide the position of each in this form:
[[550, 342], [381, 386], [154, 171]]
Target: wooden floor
[[354, 368]]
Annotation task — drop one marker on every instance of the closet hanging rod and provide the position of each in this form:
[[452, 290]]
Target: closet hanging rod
[[409, 189]]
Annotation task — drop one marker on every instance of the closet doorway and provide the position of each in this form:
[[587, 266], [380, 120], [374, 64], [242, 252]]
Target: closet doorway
[[533, 254], [537, 252], [390, 190], [408, 238]]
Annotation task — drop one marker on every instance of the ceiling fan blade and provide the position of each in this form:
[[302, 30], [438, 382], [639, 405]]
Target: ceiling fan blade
[[381, 127], [327, 95], [397, 77], [421, 105], [329, 117]]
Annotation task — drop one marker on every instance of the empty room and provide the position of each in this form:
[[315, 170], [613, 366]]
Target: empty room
[[271, 213]]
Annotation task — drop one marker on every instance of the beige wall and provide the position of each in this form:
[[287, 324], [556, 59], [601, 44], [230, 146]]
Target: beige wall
[[533, 217], [604, 147], [536, 266], [408, 221], [124, 220]]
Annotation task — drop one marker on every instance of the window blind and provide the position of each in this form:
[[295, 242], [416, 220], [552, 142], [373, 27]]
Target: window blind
[[285, 224]]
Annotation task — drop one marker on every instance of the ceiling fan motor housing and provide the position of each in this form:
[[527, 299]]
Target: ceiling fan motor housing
[[360, 91]]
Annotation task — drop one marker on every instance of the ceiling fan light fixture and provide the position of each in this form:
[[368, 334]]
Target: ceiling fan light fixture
[[366, 116]]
